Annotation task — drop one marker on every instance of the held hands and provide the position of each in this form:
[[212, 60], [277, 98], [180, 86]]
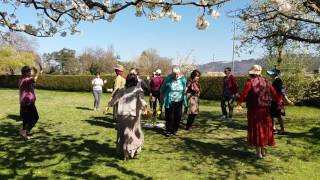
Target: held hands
[[145, 110], [238, 108], [105, 81], [290, 102]]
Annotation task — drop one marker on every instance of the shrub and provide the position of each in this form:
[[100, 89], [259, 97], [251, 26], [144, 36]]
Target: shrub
[[58, 82], [211, 86], [311, 96]]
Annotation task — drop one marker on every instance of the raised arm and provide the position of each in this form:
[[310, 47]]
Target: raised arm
[[36, 74]]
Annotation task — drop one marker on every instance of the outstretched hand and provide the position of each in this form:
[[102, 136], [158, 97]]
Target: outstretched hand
[[290, 102], [238, 108]]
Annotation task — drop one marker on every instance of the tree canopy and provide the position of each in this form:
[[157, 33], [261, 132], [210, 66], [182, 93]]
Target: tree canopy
[[11, 59], [272, 23], [276, 24], [55, 16]]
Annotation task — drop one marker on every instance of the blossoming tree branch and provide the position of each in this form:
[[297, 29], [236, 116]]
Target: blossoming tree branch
[[280, 23], [272, 23], [63, 16]]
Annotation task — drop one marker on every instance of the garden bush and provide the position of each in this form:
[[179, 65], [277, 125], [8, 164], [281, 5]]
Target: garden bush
[[311, 96], [297, 86], [211, 86]]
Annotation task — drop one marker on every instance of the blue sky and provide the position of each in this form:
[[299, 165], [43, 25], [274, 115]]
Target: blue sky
[[130, 35]]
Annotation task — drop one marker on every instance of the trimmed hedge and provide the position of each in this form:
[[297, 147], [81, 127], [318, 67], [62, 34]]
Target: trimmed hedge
[[58, 82], [211, 86]]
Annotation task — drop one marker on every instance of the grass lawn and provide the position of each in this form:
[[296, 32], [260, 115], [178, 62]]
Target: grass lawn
[[70, 141]]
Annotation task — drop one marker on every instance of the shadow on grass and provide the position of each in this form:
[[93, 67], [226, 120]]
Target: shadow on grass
[[84, 108], [308, 140], [102, 121], [68, 156], [211, 121], [14, 117], [229, 154]]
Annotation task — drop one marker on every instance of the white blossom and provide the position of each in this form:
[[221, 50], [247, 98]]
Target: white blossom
[[202, 23], [175, 17], [53, 30], [111, 17], [253, 26], [284, 5], [152, 17], [203, 2], [106, 2], [213, 13]]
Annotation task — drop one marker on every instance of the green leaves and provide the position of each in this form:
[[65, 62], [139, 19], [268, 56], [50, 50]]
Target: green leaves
[[11, 60]]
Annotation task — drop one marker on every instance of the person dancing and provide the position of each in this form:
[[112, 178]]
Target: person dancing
[[258, 93], [27, 98]]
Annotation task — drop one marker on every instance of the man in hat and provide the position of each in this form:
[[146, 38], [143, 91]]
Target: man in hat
[[230, 90], [278, 112], [119, 83]]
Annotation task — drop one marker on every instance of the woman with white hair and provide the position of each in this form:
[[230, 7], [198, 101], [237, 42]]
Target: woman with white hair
[[258, 93], [173, 93]]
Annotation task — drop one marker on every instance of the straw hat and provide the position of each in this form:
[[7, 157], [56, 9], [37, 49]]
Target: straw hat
[[255, 70], [118, 67], [158, 71]]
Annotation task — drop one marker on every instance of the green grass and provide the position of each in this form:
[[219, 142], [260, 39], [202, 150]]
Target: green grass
[[72, 142]]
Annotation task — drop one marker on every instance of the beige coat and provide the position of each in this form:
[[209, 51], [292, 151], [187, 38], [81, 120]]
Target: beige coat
[[130, 103]]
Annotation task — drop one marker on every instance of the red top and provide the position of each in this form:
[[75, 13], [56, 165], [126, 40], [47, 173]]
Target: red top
[[26, 87], [232, 85], [248, 88], [156, 83]]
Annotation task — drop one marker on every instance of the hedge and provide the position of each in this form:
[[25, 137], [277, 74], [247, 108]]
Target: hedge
[[311, 96], [211, 86]]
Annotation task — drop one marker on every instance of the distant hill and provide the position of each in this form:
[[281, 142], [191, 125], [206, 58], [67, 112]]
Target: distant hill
[[240, 67]]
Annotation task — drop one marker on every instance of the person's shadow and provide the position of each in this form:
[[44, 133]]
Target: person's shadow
[[84, 108], [14, 117]]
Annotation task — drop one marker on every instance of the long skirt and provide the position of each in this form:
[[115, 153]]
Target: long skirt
[[193, 101], [260, 132], [129, 135]]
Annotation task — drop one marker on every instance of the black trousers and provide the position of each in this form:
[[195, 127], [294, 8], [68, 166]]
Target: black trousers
[[190, 120], [155, 98], [173, 117], [229, 101], [29, 115]]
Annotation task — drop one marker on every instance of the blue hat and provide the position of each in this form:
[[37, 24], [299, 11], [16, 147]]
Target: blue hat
[[274, 72]]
